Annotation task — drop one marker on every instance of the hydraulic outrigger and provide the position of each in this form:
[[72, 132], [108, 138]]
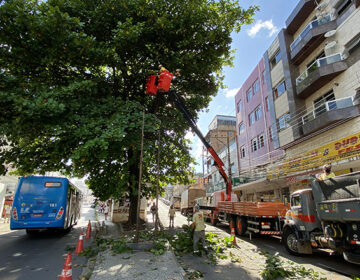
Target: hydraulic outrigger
[[162, 83]]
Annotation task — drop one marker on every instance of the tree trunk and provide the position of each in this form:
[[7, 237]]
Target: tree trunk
[[134, 181], [133, 207]]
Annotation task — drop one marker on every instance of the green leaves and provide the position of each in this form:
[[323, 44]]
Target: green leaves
[[275, 268], [72, 85]]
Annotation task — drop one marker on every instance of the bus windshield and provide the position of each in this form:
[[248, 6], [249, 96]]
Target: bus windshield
[[34, 188]]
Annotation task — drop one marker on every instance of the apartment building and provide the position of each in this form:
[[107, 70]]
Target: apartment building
[[222, 137], [256, 135], [314, 88], [255, 130]]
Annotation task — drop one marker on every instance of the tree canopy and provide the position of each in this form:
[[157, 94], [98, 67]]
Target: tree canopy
[[72, 77]]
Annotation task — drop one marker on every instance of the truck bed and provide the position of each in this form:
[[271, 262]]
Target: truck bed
[[338, 198], [255, 209]]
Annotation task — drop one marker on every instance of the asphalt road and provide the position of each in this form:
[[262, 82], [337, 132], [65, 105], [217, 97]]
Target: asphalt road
[[41, 257], [330, 266]]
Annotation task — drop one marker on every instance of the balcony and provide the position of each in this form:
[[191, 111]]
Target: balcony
[[302, 10], [329, 112], [319, 73], [310, 38]]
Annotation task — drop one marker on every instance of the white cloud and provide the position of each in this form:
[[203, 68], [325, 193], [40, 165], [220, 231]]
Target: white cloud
[[231, 92], [260, 25]]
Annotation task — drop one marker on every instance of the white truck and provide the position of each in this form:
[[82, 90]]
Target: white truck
[[188, 200]]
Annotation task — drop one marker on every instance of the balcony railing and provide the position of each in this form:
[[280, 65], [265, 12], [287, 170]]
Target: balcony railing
[[311, 25], [318, 63], [328, 106]]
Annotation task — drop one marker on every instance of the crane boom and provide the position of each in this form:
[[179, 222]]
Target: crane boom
[[218, 162], [162, 83]]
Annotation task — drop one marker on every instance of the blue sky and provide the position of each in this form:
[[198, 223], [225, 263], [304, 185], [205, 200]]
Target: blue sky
[[250, 44]]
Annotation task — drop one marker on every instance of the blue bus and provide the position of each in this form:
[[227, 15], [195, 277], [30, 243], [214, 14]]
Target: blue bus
[[42, 202]]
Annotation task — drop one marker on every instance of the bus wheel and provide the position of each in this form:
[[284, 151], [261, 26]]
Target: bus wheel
[[32, 232], [240, 226], [290, 242], [67, 230]]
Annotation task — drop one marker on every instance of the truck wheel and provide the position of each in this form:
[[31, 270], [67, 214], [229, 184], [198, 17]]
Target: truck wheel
[[290, 242], [241, 226], [213, 220]]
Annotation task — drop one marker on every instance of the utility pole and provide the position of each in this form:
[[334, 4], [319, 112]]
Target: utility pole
[[157, 187], [140, 179]]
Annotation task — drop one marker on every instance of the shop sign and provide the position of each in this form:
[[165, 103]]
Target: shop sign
[[341, 149]]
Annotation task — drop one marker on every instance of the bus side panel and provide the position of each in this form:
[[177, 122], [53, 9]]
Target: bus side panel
[[74, 204]]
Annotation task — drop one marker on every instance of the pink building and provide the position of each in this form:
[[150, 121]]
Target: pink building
[[256, 131]]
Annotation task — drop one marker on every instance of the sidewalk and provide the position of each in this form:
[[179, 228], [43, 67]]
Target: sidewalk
[[4, 227], [138, 264]]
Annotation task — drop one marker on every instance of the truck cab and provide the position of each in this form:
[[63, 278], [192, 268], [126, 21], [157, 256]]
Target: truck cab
[[327, 215]]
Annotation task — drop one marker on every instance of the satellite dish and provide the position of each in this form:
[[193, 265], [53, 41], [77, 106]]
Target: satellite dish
[[330, 45], [330, 33]]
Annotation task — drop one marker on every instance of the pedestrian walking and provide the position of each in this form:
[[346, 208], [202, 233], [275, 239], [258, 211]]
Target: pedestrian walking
[[199, 228], [153, 211], [7, 214], [106, 211], [171, 216]]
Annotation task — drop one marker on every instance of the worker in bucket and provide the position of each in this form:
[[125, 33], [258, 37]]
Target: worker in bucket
[[326, 173], [199, 228]]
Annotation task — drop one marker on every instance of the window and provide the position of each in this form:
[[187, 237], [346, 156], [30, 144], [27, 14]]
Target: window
[[319, 103], [249, 94], [256, 86], [353, 44], [242, 152], [342, 7], [252, 118], [254, 145], [284, 121], [261, 141], [241, 128], [272, 133], [239, 106], [275, 59], [279, 89], [267, 104], [258, 113], [296, 201], [263, 76]]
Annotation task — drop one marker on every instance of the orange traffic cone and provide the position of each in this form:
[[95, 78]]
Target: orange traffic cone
[[233, 234], [80, 244], [88, 231], [66, 273]]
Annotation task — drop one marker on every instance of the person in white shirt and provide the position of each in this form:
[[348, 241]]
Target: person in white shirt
[[199, 228], [106, 211]]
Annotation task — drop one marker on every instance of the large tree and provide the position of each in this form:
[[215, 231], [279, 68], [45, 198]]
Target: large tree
[[72, 85]]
